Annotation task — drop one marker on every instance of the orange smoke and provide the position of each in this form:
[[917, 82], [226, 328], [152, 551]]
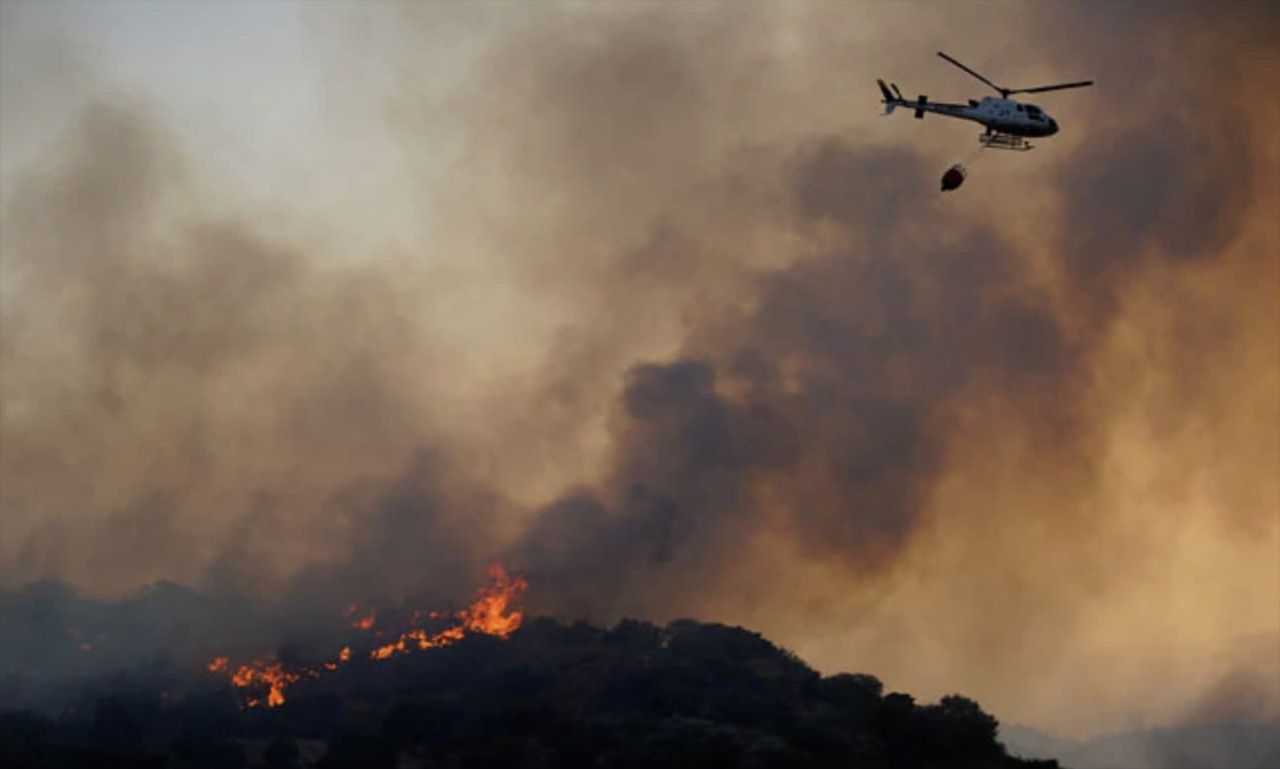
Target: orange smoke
[[495, 611]]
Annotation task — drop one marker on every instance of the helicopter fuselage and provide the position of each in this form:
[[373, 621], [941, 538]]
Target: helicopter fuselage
[[1007, 116]]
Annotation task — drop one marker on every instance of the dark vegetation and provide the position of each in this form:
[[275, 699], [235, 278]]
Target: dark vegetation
[[637, 696]]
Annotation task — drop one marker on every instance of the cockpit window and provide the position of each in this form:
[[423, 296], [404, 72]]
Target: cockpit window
[[1034, 110]]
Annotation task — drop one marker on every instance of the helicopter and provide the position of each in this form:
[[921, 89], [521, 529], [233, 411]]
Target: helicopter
[[1009, 122]]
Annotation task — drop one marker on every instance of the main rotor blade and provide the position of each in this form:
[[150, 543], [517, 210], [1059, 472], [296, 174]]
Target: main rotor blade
[[999, 90], [1043, 88]]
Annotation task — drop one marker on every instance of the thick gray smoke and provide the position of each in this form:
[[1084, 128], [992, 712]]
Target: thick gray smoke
[[833, 392]]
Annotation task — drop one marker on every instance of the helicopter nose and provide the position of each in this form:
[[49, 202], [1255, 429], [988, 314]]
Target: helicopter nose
[[1053, 126]]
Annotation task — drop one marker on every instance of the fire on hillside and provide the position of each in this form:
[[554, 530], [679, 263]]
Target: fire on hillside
[[496, 611]]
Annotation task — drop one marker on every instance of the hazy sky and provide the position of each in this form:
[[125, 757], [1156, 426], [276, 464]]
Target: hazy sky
[[651, 301]]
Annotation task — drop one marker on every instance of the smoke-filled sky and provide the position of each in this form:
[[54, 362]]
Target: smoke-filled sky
[[326, 302]]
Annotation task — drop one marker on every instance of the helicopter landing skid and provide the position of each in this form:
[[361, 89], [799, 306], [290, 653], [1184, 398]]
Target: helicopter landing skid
[[1001, 141]]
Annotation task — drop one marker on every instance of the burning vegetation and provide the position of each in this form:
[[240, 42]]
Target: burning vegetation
[[494, 612], [496, 689], [504, 692]]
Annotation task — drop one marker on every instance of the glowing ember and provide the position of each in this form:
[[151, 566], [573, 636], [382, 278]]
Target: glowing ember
[[360, 623], [495, 611], [343, 656]]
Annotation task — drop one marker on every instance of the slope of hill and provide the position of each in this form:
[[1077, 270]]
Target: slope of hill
[[637, 695]]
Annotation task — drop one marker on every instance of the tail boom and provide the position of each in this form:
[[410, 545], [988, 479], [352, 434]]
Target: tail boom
[[892, 97]]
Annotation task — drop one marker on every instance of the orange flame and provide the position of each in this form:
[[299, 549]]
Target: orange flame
[[272, 675], [491, 613], [495, 611]]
